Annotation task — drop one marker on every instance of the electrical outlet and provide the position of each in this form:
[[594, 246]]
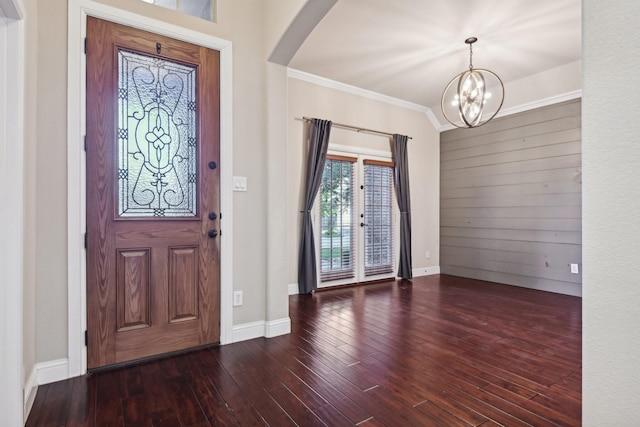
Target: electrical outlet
[[237, 298], [574, 269], [428, 255]]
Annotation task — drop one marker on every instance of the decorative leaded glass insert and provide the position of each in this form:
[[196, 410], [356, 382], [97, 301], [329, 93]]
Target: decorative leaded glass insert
[[157, 150]]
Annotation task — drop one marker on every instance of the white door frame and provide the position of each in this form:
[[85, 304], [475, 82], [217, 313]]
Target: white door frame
[[76, 178], [12, 71]]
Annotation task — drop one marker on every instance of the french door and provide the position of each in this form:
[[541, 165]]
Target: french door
[[355, 216]]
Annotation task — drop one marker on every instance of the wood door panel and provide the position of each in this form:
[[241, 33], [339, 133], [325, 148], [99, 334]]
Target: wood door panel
[[137, 344], [152, 282], [141, 41], [159, 230], [183, 284], [132, 289]]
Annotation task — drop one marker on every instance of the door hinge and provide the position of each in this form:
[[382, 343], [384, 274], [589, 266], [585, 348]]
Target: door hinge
[[220, 215], [86, 239], [85, 143], [86, 338], [85, 45]]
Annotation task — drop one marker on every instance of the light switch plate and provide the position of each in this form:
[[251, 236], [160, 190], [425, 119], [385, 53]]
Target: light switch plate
[[239, 183], [574, 269]]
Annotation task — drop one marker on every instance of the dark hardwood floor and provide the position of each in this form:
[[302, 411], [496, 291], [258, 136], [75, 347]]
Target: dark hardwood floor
[[440, 350]]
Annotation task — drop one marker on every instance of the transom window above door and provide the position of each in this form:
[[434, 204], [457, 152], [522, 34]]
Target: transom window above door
[[205, 9]]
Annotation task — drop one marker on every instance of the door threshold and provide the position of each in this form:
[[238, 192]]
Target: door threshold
[[148, 359], [351, 285]]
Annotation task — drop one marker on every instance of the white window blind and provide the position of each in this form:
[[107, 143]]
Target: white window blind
[[337, 237], [378, 218]]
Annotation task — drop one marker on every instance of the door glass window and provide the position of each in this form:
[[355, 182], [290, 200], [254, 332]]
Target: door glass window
[[336, 219], [378, 219], [357, 230], [157, 145]]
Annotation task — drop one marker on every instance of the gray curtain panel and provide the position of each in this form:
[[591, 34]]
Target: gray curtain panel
[[401, 183], [318, 145]]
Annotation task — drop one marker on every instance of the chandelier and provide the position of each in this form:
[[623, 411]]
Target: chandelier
[[473, 97]]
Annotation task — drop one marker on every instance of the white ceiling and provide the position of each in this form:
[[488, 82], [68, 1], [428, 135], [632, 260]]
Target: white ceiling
[[410, 49]]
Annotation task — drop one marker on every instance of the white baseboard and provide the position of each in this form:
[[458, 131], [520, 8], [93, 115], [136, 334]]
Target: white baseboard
[[270, 329], [425, 271], [43, 373], [274, 328], [247, 331], [293, 289], [52, 371], [30, 390], [417, 272]]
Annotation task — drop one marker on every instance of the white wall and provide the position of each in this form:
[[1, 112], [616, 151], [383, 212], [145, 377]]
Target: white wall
[[565, 79], [29, 308], [12, 43], [306, 99], [611, 203]]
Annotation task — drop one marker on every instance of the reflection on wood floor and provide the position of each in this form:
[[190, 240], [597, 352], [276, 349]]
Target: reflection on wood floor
[[439, 350]]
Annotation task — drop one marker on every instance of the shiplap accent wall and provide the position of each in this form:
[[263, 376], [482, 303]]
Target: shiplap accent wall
[[511, 200]]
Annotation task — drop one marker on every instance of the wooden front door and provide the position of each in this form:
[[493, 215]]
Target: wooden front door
[[153, 144]]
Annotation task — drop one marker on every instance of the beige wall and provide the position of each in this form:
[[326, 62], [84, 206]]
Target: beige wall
[[259, 103], [277, 303], [278, 15], [310, 100], [610, 167], [29, 248], [240, 22], [51, 181]]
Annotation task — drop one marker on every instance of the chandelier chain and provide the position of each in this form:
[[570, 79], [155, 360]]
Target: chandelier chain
[[470, 56]]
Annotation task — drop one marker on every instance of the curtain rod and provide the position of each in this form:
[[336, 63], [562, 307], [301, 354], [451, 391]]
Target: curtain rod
[[357, 129]]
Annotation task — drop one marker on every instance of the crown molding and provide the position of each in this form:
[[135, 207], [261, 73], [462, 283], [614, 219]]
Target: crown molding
[[440, 127], [332, 84], [568, 96]]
